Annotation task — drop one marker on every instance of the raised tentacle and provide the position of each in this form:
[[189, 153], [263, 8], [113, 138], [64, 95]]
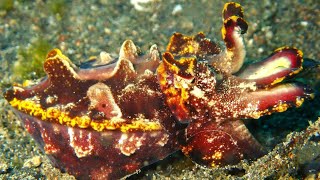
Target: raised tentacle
[[232, 58], [277, 99], [283, 63]]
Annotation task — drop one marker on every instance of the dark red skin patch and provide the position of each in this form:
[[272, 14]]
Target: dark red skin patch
[[215, 148], [105, 158]]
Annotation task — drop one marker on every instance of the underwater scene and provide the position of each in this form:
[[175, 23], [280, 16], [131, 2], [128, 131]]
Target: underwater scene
[[154, 89]]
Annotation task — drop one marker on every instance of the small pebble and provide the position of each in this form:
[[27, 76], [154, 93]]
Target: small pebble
[[3, 167], [177, 9], [33, 162], [107, 31], [137, 4], [260, 50], [304, 23]]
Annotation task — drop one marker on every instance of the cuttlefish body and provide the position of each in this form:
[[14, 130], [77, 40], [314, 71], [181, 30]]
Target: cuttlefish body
[[110, 117], [207, 88]]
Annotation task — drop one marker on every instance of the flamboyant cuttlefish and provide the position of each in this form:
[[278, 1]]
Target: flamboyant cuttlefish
[[111, 116]]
